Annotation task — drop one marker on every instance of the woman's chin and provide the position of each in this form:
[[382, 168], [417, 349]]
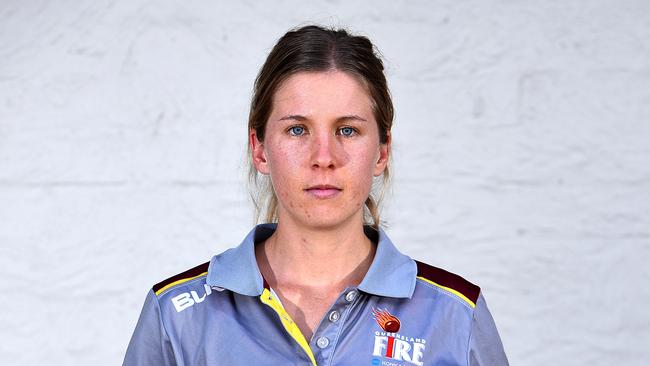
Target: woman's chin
[[322, 218]]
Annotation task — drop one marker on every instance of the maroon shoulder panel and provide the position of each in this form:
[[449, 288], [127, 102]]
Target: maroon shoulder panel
[[187, 274], [448, 279]]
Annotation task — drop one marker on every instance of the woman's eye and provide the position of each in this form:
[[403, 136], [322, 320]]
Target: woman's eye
[[296, 130], [347, 131]]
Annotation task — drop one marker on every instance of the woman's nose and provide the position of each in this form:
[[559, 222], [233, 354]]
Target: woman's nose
[[326, 151]]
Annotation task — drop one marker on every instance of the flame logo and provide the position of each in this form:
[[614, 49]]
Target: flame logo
[[386, 320]]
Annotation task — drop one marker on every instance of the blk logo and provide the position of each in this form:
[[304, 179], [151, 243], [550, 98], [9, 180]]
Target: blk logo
[[187, 299]]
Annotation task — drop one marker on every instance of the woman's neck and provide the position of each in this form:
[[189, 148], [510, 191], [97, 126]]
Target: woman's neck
[[299, 257]]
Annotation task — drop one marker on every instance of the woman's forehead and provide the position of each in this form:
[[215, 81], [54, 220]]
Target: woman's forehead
[[319, 92]]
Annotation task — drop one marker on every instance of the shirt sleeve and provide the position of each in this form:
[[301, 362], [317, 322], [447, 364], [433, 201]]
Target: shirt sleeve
[[150, 344], [485, 347]]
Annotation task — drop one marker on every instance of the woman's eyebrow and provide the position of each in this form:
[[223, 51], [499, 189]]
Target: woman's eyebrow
[[352, 117], [298, 117]]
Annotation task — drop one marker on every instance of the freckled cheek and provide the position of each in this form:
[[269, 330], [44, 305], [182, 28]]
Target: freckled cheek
[[362, 180], [285, 177], [287, 158], [366, 165], [360, 190], [288, 194]]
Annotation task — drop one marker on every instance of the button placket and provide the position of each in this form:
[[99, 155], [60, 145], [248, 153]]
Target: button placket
[[326, 336]]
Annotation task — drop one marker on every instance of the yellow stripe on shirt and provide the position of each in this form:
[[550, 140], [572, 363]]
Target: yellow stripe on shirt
[[463, 297]]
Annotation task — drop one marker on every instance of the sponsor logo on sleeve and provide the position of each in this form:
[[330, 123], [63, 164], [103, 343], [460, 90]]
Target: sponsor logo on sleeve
[[188, 299]]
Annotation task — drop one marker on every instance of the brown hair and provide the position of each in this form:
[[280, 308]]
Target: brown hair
[[315, 48]]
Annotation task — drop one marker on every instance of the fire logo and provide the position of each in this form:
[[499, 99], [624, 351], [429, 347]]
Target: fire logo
[[390, 345], [386, 320]]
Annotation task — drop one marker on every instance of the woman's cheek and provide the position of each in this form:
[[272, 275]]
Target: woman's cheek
[[288, 154]]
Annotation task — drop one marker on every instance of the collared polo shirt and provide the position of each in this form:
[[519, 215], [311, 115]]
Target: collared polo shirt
[[403, 312]]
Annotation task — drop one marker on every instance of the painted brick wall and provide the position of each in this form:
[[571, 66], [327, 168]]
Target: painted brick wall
[[521, 160]]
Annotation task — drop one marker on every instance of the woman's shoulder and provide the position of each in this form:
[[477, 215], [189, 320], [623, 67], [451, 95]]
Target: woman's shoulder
[[183, 278], [441, 280]]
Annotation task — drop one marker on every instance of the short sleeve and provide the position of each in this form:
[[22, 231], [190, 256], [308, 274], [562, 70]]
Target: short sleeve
[[150, 344], [485, 347]]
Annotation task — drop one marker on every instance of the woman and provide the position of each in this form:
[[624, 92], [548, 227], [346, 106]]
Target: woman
[[321, 284]]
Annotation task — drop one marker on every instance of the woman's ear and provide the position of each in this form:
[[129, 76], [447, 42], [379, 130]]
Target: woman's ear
[[384, 154], [259, 155]]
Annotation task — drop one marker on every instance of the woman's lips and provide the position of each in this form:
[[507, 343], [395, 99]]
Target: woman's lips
[[323, 191]]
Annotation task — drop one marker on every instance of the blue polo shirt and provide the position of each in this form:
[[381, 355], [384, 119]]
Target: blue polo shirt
[[404, 312]]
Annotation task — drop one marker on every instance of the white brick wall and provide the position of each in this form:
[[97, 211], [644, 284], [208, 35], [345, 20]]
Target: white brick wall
[[522, 161]]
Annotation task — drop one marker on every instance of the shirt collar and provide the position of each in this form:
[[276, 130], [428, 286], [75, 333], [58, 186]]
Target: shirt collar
[[391, 274]]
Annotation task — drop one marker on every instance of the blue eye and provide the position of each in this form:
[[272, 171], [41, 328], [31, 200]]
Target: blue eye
[[347, 131], [296, 130]]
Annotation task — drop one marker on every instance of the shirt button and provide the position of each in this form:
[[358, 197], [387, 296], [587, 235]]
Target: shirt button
[[334, 316], [322, 342], [350, 296]]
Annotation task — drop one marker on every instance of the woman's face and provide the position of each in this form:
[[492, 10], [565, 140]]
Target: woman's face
[[321, 149]]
